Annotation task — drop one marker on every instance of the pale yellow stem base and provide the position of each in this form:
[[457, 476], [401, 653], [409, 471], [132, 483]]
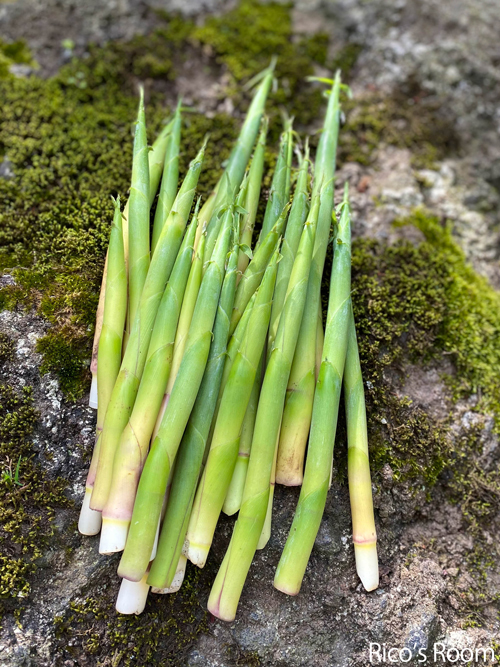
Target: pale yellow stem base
[[367, 565], [132, 596], [89, 522]]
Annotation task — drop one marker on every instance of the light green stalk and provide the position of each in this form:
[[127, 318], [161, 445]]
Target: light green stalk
[[206, 213], [280, 186], [252, 277], [240, 155], [187, 310], [134, 440], [155, 160], [298, 215], [300, 393], [232, 502], [232, 349], [312, 500], [226, 591], [153, 482], [320, 340], [289, 159], [170, 178], [253, 195], [358, 468], [194, 441], [235, 341], [223, 453], [265, 535], [110, 351], [127, 384], [138, 220]]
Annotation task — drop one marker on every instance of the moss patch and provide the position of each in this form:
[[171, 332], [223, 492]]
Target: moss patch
[[409, 118], [14, 53], [161, 635], [416, 303], [69, 142], [29, 497], [246, 39]]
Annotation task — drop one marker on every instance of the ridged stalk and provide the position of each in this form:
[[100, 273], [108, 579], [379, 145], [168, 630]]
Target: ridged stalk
[[187, 310], [296, 219], [134, 440], [280, 186], [138, 219], [320, 340], [155, 160], [223, 453], [252, 277], [300, 392], [240, 155], [153, 482], [232, 502], [312, 500], [194, 441], [127, 384], [110, 355], [253, 195], [228, 585], [358, 468], [170, 178]]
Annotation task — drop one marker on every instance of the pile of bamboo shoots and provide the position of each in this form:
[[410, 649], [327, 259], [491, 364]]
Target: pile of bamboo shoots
[[213, 371]]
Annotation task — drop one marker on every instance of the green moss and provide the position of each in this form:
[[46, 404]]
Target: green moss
[[470, 326], [406, 119], [345, 59], [14, 53], [29, 496], [6, 348], [69, 142], [161, 635], [246, 38], [416, 303]]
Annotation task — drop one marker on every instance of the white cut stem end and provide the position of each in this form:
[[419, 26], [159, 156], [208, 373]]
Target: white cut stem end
[[93, 393], [367, 565], [113, 536], [89, 522], [197, 554], [132, 596], [176, 581]]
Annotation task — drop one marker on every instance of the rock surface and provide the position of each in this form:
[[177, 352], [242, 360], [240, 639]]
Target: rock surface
[[452, 51]]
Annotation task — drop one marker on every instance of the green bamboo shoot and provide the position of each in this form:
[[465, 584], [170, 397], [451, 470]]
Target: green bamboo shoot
[[300, 392], [253, 195], [155, 159], [224, 446], [134, 440], [138, 219], [192, 449], [358, 468], [127, 384], [170, 178], [110, 356], [153, 482], [228, 585], [312, 500]]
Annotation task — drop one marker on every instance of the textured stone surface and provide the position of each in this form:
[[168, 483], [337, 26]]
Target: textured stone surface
[[451, 50]]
